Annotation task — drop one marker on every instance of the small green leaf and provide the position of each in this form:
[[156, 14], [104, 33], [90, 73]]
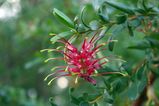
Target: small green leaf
[[71, 90], [144, 5], [82, 14], [121, 19], [110, 43], [126, 66], [63, 18], [60, 35], [140, 72], [107, 84], [121, 8], [103, 14], [130, 30], [119, 85]]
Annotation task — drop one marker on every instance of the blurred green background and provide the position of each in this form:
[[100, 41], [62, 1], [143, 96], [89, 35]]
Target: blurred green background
[[24, 31]]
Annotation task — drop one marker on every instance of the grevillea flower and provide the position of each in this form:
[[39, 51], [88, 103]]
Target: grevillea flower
[[82, 62]]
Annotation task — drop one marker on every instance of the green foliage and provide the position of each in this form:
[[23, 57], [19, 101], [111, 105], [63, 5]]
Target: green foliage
[[63, 18], [133, 61], [121, 8]]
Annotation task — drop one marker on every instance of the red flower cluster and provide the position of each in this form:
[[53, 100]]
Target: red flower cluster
[[83, 63]]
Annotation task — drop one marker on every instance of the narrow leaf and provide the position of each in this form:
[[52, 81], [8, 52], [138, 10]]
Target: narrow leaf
[[63, 18], [144, 4], [110, 43], [130, 30], [121, 8], [103, 14], [82, 14]]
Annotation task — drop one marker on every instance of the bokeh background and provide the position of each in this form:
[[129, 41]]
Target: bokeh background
[[24, 31]]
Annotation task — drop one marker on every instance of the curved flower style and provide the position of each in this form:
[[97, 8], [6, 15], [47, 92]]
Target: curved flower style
[[83, 63]]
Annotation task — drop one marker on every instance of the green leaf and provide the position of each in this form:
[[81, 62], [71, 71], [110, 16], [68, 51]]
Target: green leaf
[[110, 43], [82, 14], [63, 18], [120, 19], [136, 87], [144, 5], [102, 13], [60, 35], [121, 8], [119, 85], [104, 31], [107, 84], [71, 90], [132, 91], [130, 30], [127, 67], [83, 103], [140, 72]]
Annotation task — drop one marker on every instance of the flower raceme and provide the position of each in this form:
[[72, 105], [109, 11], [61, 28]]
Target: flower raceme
[[81, 63]]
